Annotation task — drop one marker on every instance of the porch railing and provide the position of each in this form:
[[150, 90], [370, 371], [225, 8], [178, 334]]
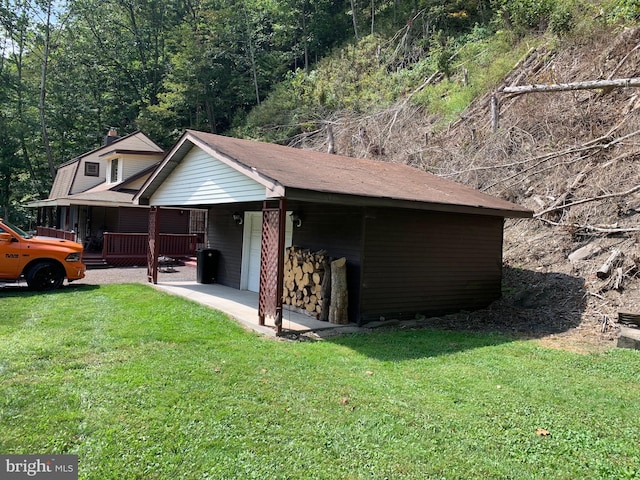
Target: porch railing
[[131, 248], [55, 233]]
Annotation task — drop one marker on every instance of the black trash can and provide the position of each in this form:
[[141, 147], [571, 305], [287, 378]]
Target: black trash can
[[207, 267]]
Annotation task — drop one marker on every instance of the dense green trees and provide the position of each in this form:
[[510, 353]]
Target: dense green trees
[[70, 69]]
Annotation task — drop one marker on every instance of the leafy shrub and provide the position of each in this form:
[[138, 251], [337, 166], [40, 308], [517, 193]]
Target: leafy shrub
[[562, 20], [537, 15], [527, 14], [625, 10]]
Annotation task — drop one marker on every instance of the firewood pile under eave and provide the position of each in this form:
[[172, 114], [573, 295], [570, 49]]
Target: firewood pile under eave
[[304, 272], [308, 287]]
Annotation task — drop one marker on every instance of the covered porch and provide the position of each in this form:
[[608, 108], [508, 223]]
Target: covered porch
[[123, 237]]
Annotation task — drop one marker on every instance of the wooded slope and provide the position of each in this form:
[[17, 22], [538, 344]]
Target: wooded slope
[[572, 157]]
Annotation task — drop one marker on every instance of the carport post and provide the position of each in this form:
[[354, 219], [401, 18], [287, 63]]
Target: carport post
[[272, 262], [152, 252], [282, 223]]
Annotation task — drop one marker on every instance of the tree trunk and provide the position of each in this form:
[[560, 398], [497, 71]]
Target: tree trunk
[[331, 146], [373, 15], [495, 113], [19, 40], [252, 55], [355, 20], [43, 94]]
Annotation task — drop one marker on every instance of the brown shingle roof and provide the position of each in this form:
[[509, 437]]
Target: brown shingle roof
[[312, 171], [323, 172]]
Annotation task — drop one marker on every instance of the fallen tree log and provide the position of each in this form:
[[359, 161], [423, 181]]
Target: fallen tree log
[[566, 87], [325, 291], [338, 313], [605, 270]]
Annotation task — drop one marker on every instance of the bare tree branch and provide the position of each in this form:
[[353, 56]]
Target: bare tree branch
[[587, 200]]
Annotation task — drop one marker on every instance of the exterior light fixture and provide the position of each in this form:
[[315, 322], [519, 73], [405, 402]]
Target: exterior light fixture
[[296, 218], [237, 217]]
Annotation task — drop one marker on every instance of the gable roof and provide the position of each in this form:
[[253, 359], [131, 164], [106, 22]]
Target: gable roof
[[316, 176], [105, 195], [67, 171], [67, 191], [142, 140]]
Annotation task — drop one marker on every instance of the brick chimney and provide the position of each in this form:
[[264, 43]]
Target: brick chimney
[[112, 135]]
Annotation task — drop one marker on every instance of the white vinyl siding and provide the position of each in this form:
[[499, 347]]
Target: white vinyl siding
[[137, 142], [132, 164], [200, 179]]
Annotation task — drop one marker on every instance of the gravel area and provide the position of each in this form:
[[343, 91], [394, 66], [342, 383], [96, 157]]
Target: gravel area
[[102, 276]]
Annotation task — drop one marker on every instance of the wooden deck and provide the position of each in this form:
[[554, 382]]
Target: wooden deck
[[130, 249]]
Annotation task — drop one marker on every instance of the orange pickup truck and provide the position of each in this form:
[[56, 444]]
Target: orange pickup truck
[[44, 262]]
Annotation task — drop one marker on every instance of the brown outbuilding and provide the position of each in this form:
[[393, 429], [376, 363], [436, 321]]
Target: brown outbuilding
[[414, 243]]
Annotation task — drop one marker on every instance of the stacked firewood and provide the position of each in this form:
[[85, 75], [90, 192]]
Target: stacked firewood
[[304, 274]]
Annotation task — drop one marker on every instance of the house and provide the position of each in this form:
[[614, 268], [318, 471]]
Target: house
[[414, 243], [91, 201]]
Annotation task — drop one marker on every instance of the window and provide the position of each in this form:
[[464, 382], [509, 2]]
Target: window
[[92, 169], [114, 170]]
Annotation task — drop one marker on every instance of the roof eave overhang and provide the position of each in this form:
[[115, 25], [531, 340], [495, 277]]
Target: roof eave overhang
[[364, 201], [103, 203], [68, 202], [48, 203], [142, 153]]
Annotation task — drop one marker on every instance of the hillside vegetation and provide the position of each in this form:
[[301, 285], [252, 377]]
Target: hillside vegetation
[[571, 157]]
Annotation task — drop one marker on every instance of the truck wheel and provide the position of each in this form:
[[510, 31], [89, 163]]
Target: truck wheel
[[45, 276]]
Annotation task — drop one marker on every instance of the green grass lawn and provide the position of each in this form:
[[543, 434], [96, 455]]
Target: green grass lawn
[[142, 385]]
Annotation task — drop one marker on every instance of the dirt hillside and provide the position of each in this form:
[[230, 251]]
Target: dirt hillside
[[572, 157]]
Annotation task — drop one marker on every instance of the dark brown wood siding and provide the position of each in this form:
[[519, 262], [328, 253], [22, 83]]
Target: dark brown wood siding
[[225, 236], [338, 230], [136, 220], [174, 221], [429, 262], [103, 219]]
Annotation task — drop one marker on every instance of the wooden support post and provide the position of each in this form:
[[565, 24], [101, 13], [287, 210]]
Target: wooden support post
[[154, 243], [282, 221]]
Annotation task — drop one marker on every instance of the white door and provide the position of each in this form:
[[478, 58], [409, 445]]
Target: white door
[[251, 249]]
